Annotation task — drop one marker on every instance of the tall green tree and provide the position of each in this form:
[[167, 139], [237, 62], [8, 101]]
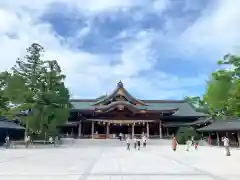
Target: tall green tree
[[4, 101], [198, 103], [37, 86], [53, 102]]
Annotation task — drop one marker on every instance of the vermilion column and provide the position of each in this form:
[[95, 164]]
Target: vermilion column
[[238, 136]]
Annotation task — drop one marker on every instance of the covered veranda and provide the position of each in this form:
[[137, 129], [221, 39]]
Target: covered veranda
[[220, 128], [112, 128], [101, 129]]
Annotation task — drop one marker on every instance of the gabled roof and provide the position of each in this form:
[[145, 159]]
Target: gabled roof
[[120, 90], [134, 108], [184, 109], [181, 107]]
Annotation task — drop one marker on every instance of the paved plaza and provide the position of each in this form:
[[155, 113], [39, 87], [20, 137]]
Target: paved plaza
[[116, 163]]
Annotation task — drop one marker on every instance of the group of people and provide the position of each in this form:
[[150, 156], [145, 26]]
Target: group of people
[[192, 142], [136, 141]]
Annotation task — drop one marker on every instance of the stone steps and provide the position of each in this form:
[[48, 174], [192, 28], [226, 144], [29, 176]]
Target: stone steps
[[108, 142]]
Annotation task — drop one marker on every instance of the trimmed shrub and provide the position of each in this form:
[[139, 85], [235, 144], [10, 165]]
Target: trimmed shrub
[[184, 133]]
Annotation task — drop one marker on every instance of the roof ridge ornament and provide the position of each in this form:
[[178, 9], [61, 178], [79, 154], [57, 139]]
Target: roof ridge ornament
[[120, 84]]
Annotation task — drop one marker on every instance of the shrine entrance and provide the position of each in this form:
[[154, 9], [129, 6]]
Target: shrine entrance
[[119, 128], [113, 128]]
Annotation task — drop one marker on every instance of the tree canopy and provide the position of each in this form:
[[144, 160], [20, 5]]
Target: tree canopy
[[36, 86], [223, 88]]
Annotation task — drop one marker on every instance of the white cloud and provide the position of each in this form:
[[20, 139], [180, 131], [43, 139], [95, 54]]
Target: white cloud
[[217, 31], [89, 75]]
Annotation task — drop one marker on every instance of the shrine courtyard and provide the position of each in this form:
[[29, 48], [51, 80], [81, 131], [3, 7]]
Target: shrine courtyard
[[116, 163]]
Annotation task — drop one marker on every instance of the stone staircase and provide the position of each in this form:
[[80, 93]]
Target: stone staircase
[[108, 142]]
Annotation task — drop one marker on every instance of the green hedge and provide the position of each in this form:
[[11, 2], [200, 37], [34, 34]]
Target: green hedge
[[184, 133]]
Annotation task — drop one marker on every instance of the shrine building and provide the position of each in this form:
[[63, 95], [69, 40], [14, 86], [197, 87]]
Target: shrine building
[[120, 112]]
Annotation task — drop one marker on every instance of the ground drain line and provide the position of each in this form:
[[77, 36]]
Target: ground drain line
[[87, 172], [13, 159], [196, 169]]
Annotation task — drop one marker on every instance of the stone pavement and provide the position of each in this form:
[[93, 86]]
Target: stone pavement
[[116, 163]]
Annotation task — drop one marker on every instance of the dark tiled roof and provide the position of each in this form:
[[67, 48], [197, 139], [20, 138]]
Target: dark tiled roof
[[227, 125], [184, 108], [200, 121], [7, 124]]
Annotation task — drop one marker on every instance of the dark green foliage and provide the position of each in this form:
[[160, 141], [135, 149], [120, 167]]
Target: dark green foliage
[[198, 104], [222, 94], [38, 85], [4, 101], [185, 133]]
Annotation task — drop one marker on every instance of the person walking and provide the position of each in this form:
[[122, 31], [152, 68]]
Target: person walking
[[135, 142], [188, 144], [144, 140], [174, 143], [120, 136], [196, 145], [128, 143], [138, 143], [226, 145], [7, 141], [27, 141]]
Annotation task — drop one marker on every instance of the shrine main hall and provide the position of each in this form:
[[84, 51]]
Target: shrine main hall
[[120, 112]]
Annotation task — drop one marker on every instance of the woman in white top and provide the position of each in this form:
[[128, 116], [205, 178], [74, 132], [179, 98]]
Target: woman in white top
[[144, 140]]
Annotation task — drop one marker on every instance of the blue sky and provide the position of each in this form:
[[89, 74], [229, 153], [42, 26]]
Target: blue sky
[[160, 49]]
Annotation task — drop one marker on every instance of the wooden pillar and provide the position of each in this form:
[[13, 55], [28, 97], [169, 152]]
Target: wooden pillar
[[147, 129], [160, 130], [80, 129], [218, 140], [238, 137], [107, 130], [133, 132], [92, 129], [167, 132]]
